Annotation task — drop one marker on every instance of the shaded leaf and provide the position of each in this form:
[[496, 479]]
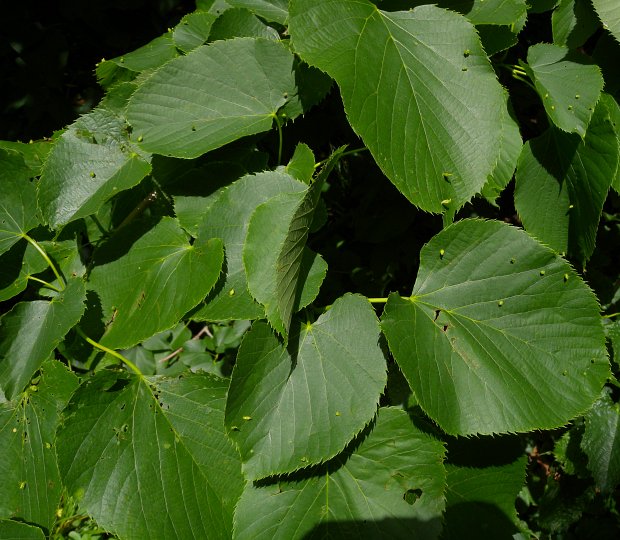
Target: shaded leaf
[[216, 94], [601, 442], [90, 163], [30, 331], [34, 153], [562, 182], [150, 288], [154, 447], [311, 275], [228, 218], [503, 326], [484, 478], [573, 22], [389, 484], [568, 83], [289, 407], [30, 478], [16, 266], [16, 530], [270, 10], [426, 102]]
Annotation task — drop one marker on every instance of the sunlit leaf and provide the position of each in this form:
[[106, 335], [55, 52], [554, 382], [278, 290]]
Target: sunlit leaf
[[148, 458], [151, 287], [228, 218], [289, 407], [568, 83], [416, 85], [216, 94], [503, 326], [609, 13], [18, 203], [91, 162]]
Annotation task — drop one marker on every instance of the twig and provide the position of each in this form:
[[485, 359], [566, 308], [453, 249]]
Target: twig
[[204, 331]]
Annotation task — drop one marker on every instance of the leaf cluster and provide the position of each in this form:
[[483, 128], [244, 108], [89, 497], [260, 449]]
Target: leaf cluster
[[322, 268]]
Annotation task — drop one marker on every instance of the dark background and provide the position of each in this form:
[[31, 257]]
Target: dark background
[[48, 52]]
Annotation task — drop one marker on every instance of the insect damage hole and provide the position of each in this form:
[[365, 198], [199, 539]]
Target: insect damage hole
[[412, 495]]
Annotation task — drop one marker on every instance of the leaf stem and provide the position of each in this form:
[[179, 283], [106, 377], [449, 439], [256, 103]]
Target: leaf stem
[[347, 153], [38, 247], [45, 283], [204, 331], [377, 300], [112, 352], [279, 124], [610, 315]]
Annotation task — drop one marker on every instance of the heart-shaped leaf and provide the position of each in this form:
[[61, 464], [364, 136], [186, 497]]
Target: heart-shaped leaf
[[150, 288], [289, 407], [496, 332]]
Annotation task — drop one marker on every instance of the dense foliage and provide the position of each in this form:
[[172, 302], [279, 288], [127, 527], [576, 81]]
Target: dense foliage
[[322, 268]]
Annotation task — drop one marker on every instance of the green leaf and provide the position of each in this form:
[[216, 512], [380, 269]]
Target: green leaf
[[311, 275], [301, 165], [484, 478], [263, 257], [601, 442], [568, 83], [496, 12], [274, 248], [16, 266], [562, 182], [426, 102], [500, 334], [510, 147], [30, 478], [540, 6], [228, 218], [150, 288], [91, 162], [312, 87], [148, 57], [18, 203], [290, 407], [193, 30], [31, 330], [239, 22], [573, 22], [369, 491], [216, 94], [34, 153], [609, 13], [270, 10], [154, 447], [16, 530]]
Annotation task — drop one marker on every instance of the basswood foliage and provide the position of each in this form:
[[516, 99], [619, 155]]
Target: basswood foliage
[[223, 318]]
